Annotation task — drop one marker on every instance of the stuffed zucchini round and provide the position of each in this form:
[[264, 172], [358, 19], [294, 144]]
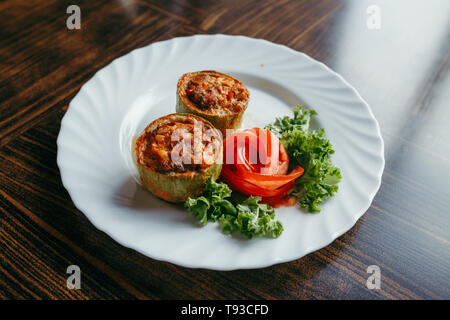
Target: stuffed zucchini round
[[176, 155], [215, 96]]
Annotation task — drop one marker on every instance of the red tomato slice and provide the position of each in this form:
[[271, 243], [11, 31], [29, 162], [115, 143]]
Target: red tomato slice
[[241, 185], [259, 164], [272, 182]]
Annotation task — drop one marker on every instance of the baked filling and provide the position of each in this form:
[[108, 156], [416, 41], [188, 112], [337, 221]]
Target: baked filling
[[178, 146], [216, 93]]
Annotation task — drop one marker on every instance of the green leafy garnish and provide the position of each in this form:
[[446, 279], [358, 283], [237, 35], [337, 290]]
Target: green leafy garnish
[[312, 151], [249, 217]]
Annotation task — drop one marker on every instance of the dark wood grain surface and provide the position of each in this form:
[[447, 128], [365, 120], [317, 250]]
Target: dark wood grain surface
[[401, 69]]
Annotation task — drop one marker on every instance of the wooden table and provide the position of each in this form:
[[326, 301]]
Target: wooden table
[[401, 69]]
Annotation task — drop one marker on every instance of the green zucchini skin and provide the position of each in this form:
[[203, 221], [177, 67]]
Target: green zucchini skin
[[173, 186], [220, 121]]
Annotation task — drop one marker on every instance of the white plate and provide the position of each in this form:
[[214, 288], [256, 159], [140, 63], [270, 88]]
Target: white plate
[[121, 99]]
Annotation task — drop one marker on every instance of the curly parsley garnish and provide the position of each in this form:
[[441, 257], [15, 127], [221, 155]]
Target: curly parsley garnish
[[249, 217], [312, 151]]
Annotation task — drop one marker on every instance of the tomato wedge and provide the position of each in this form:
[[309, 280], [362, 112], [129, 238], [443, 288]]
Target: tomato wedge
[[248, 188], [272, 182], [256, 163]]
